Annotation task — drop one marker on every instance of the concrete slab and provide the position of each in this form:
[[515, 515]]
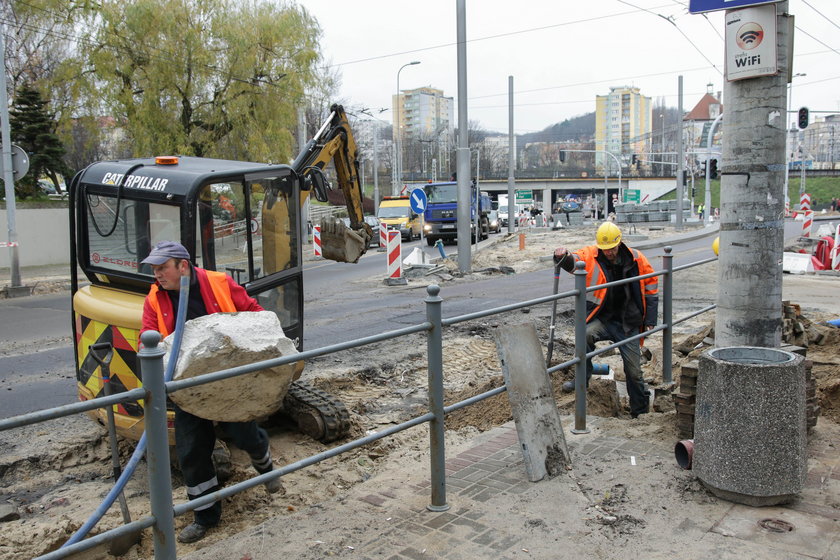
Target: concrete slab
[[534, 410], [806, 535]]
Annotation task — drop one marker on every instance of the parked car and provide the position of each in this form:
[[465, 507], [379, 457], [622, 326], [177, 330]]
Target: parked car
[[495, 223], [373, 222]]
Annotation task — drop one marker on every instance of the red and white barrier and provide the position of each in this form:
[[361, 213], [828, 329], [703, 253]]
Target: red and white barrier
[[835, 251], [787, 208], [394, 254], [807, 223], [805, 202], [316, 241], [9, 244], [383, 234]]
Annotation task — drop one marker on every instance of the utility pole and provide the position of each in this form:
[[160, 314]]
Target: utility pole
[[8, 171], [749, 306], [463, 154], [511, 183], [680, 155]]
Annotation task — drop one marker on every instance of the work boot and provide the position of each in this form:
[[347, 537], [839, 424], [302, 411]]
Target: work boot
[[274, 485], [192, 533]]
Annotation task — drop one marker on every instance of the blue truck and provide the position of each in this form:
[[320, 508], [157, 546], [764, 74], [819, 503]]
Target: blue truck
[[441, 215]]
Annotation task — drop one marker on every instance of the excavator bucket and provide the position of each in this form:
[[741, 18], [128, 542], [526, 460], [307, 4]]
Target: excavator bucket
[[342, 244]]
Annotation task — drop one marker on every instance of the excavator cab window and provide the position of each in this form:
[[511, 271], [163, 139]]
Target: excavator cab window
[[250, 229]]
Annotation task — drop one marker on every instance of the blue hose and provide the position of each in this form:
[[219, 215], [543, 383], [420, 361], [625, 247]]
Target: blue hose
[[140, 450]]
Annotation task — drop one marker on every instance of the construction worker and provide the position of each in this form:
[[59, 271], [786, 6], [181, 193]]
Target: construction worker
[[618, 312], [195, 438]]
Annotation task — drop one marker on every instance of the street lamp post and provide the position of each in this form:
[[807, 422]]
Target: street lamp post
[[398, 143], [662, 145]]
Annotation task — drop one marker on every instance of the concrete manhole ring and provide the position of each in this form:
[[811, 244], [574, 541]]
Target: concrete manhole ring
[[776, 525]]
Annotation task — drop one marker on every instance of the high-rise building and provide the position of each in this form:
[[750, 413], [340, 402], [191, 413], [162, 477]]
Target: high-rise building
[[423, 114], [622, 119]]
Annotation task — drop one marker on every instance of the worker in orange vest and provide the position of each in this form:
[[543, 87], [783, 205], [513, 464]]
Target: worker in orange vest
[[617, 312]]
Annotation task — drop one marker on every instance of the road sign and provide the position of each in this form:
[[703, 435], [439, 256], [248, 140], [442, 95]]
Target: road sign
[[418, 200], [700, 6], [20, 162], [524, 196], [632, 195]]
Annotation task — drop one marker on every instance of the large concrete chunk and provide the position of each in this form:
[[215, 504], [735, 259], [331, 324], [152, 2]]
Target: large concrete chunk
[[532, 402], [226, 340], [749, 431]]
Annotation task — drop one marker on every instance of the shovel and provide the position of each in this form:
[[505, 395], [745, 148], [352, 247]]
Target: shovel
[[550, 349], [102, 352]]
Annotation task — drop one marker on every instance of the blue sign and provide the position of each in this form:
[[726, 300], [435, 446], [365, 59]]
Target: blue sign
[[418, 200], [700, 6]]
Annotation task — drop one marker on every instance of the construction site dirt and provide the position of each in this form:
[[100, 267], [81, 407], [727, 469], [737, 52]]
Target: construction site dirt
[[53, 475]]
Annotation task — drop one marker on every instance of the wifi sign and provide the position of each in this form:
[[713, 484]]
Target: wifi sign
[[749, 36]]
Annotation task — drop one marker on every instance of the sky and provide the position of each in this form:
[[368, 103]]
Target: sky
[[561, 54]]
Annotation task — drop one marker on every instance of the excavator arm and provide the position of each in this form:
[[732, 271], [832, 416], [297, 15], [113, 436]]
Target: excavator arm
[[334, 142]]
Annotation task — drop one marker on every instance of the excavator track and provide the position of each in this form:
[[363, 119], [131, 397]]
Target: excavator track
[[317, 413]]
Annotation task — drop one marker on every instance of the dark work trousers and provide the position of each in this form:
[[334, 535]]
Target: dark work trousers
[[631, 353], [195, 439]]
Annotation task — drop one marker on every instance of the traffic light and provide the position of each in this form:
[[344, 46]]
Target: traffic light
[[803, 117], [634, 159], [684, 178], [713, 170], [562, 156]]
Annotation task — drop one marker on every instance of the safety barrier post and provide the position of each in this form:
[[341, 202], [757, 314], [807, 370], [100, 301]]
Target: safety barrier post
[[835, 258], [805, 202], [667, 315], [316, 241], [157, 455], [807, 223], [580, 349], [383, 235], [434, 350], [394, 256]]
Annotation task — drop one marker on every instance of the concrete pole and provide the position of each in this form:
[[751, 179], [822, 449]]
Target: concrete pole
[[8, 172], [375, 169], [511, 183], [463, 154], [680, 154], [749, 306]]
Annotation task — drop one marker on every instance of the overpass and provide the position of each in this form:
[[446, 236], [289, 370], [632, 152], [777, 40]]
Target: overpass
[[547, 191]]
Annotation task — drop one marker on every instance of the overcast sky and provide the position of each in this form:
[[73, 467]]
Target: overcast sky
[[561, 53]]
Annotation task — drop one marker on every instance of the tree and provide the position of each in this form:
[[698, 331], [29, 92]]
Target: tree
[[212, 78], [33, 129]]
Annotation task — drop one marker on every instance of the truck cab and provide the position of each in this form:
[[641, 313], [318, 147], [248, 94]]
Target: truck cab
[[396, 213], [441, 215]]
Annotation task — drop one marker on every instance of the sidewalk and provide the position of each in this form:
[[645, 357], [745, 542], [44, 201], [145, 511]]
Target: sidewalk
[[624, 498]]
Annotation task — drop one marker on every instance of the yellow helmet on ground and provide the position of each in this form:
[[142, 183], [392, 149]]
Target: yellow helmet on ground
[[716, 245], [607, 236]]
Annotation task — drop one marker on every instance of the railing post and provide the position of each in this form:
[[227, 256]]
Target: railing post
[[157, 455], [434, 350], [580, 349], [667, 315]]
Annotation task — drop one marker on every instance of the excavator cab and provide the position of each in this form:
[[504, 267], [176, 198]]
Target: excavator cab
[[236, 217]]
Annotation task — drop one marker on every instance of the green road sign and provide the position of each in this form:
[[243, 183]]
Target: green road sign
[[632, 195], [524, 196]]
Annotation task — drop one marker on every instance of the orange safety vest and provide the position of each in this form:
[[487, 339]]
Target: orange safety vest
[[221, 300], [595, 275]]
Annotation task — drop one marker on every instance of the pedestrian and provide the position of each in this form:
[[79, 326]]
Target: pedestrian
[[195, 437], [618, 312], [700, 210]]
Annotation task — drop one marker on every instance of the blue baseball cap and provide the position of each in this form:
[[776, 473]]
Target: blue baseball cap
[[164, 251]]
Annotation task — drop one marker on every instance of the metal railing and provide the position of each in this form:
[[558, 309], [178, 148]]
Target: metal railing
[[155, 391]]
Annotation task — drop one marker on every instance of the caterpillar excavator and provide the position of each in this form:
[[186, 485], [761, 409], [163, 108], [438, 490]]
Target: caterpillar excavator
[[242, 218]]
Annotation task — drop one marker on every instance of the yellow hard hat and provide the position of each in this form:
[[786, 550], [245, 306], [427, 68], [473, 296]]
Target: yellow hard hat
[[716, 245], [607, 236]]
